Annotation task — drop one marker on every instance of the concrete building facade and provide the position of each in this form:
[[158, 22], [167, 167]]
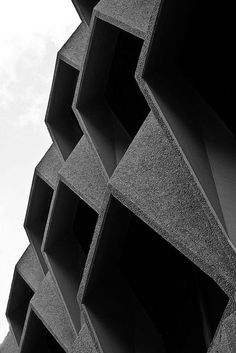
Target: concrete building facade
[[131, 213]]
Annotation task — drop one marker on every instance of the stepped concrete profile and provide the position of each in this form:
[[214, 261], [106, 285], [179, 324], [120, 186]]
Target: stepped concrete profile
[[131, 213]]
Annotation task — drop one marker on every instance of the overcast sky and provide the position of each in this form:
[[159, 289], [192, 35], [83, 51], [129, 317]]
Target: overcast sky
[[31, 33]]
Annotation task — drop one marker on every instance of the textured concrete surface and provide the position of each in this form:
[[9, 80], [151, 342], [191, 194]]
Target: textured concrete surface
[[222, 340], [224, 191], [95, 261], [74, 49], [132, 16], [49, 307], [152, 181], [49, 166], [153, 103], [84, 342], [9, 344], [30, 269], [225, 340], [83, 174]]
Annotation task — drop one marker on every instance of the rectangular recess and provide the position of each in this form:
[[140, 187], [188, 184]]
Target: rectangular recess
[[144, 295], [60, 117], [37, 214], [189, 73], [67, 244], [20, 296], [38, 339], [109, 100]]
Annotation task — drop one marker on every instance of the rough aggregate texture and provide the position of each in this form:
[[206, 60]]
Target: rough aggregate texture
[[84, 342], [74, 49], [83, 174], [140, 71], [30, 269], [154, 179], [49, 306], [132, 15], [151, 181], [225, 341], [49, 166]]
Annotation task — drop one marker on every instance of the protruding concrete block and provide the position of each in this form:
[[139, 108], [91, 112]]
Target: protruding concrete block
[[29, 268], [153, 181], [74, 50], [83, 173], [133, 16], [49, 166]]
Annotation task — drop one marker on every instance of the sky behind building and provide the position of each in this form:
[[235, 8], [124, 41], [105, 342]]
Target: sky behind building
[[31, 33]]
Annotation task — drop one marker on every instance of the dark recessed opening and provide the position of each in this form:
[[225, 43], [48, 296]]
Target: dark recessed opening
[[85, 8], [109, 100], [206, 56], [60, 117], [38, 339], [189, 71], [67, 244], [84, 223], [145, 295], [20, 297], [195, 38], [122, 92], [37, 215], [183, 303]]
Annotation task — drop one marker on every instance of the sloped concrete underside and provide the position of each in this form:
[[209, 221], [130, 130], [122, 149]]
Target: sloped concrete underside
[[131, 213]]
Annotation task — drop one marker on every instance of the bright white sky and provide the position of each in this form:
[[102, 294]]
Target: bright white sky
[[31, 33]]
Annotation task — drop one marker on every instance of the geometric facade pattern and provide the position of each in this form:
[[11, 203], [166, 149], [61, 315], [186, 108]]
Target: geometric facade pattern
[[131, 214]]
